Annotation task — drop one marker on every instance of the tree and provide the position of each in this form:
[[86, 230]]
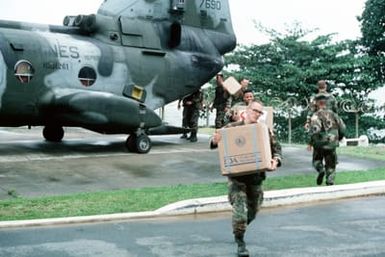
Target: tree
[[373, 26], [373, 34], [289, 66]]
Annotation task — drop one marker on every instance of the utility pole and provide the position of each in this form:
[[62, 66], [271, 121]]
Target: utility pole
[[290, 125]]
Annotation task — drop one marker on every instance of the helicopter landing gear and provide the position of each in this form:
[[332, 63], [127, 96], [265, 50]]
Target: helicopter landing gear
[[53, 133], [138, 143]]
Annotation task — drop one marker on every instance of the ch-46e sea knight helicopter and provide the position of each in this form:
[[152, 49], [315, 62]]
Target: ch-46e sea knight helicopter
[[108, 72]]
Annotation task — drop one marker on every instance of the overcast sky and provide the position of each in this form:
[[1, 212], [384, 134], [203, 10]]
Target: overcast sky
[[330, 16]]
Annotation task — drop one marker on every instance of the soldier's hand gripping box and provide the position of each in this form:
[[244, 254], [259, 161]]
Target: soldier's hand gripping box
[[267, 117], [244, 150]]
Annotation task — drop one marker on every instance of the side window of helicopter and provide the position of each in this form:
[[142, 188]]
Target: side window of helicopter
[[24, 71], [87, 76], [175, 35]]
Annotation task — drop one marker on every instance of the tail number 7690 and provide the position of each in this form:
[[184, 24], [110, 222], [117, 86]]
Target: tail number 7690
[[211, 4]]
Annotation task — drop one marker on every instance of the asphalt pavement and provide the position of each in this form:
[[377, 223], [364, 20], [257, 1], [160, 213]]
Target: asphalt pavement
[[88, 162], [348, 228]]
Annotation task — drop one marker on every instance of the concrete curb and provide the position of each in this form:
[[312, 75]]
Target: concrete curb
[[219, 204]]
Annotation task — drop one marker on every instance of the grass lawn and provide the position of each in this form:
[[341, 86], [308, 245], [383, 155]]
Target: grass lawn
[[206, 131], [134, 200], [371, 152]]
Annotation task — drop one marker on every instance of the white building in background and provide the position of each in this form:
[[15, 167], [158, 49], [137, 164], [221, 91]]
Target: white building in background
[[173, 116], [379, 96]]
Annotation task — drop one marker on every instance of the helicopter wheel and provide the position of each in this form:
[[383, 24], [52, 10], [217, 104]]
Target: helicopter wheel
[[53, 133], [139, 144], [130, 143]]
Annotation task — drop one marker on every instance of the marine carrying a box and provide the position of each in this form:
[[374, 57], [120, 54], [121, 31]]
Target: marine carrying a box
[[244, 150], [267, 116]]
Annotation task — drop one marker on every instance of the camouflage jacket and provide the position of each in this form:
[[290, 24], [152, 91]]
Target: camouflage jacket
[[326, 129], [221, 96], [331, 105], [195, 98]]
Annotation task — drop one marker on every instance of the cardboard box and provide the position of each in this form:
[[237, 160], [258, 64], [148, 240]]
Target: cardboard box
[[244, 150], [232, 86], [267, 117]]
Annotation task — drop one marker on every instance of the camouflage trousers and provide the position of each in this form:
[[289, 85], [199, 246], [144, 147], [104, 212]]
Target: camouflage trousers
[[190, 118], [246, 199], [220, 118], [325, 160]]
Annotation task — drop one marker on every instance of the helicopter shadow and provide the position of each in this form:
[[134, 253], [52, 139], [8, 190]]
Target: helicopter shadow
[[76, 146]]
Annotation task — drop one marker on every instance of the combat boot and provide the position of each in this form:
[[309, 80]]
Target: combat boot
[[193, 138], [320, 177], [330, 176], [242, 251], [184, 136], [330, 181]]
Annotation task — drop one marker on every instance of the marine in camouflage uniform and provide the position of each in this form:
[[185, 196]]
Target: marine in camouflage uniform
[[245, 192], [326, 130], [331, 102], [192, 104], [220, 102]]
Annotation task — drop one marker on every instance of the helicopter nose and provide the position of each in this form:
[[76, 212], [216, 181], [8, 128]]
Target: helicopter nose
[[223, 42]]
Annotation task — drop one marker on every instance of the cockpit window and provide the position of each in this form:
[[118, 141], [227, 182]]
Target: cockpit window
[[87, 76], [24, 71]]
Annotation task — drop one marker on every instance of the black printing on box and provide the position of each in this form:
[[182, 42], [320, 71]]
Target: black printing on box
[[236, 160]]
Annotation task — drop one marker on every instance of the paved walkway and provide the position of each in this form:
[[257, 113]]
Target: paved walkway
[[87, 162], [349, 228]]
